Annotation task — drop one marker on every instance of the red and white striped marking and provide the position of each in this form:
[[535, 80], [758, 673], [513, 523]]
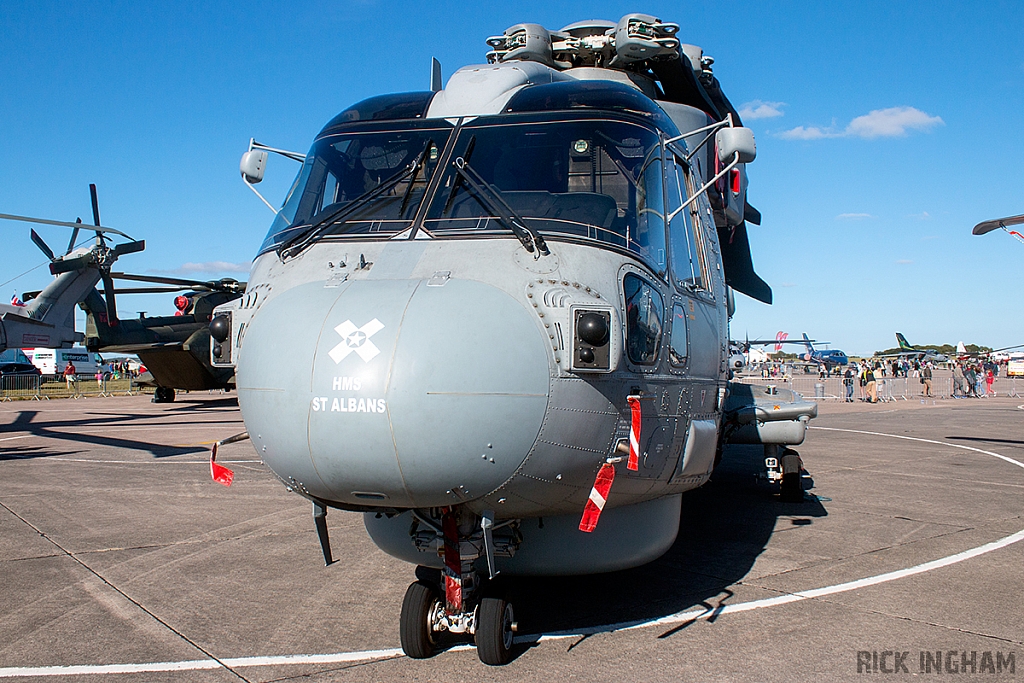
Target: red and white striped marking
[[634, 434], [598, 497]]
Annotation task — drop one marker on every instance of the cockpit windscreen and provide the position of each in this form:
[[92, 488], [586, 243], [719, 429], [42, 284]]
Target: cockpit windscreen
[[346, 168], [593, 178]]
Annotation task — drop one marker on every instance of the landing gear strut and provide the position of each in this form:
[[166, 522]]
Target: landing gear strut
[[784, 466], [461, 601]]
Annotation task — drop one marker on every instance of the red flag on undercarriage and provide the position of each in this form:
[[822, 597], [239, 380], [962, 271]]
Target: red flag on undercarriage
[[220, 474], [598, 496]]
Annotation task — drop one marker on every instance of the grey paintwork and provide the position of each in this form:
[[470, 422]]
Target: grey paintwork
[[49, 319], [551, 546], [474, 398]]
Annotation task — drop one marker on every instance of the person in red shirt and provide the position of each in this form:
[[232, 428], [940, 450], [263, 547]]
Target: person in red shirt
[[70, 374]]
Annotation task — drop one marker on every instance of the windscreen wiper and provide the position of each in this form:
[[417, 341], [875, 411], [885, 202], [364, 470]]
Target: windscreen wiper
[[495, 204], [295, 245]]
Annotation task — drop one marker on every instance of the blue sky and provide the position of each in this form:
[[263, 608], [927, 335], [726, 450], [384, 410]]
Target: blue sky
[[885, 132]]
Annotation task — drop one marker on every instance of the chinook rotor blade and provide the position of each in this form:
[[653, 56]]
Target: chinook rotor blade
[[146, 290], [67, 265], [64, 224], [988, 226], [74, 236], [108, 295], [43, 246], [217, 285]]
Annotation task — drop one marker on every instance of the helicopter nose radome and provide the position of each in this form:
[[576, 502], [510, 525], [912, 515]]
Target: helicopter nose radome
[[393, 392]]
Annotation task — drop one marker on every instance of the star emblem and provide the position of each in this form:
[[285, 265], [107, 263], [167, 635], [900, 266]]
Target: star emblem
[[356, 339]]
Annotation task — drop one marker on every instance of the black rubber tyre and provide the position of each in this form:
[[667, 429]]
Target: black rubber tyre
[[414, 625], [494, 619], [163, 395]]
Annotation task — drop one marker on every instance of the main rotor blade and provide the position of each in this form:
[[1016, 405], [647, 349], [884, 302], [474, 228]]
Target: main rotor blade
[[108, 294], [989, 226], [145, 290], [95, 204], [43, 246], [74, 236], [67, 265], [129, 247], [64, 224], [209, 284]]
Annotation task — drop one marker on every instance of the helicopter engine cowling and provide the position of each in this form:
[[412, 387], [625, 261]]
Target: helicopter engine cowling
[[370, 385]]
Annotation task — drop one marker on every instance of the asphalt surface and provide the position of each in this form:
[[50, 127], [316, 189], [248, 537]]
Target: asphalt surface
[[121, 560]]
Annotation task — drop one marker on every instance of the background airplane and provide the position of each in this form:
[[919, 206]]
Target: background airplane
[[907, 350], [830, 358]]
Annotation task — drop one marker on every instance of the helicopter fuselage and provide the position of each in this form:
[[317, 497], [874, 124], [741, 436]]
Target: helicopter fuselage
[[471, 336]]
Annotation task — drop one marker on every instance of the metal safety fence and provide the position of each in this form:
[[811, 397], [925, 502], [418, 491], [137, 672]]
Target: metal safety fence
[[888, 389], [42, 388]]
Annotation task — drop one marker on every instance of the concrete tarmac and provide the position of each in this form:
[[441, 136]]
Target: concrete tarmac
[[121, 560]]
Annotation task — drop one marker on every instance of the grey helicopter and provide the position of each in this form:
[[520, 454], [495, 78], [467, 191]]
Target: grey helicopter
[[493, 317]]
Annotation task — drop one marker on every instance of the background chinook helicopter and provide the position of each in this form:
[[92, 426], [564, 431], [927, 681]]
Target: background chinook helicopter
[[494, 317], [175, 349]]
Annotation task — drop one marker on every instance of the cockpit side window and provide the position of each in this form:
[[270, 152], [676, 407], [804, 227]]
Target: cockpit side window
[[687, 264], [645, 311], [703, 220]]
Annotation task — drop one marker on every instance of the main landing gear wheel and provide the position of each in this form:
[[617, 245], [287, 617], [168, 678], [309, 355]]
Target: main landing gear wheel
[[495, 628], [416, 623], [163, 395]]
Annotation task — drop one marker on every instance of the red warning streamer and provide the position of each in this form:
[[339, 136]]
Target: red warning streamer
[[220, 474], [598, 497], [634, 434]]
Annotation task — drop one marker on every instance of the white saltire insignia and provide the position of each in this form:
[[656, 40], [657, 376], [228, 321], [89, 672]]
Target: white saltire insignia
[[356, 339]]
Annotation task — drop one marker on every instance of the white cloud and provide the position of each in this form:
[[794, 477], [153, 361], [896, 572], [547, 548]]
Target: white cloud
[[853, 216], [892, 122], [923, 216], [879, 123], [758, 109], [904, 261], [812, 133]]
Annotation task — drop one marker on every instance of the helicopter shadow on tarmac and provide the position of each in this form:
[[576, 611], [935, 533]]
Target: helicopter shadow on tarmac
[[184, 404], [725, 526], [52, 429]]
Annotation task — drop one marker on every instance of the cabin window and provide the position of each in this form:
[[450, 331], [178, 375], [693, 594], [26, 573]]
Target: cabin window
[[592, 178], [644, 314], [687, 271], [678, 349]]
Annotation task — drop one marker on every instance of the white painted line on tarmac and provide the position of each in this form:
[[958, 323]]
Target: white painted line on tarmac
[[670, 620], [197, 664]]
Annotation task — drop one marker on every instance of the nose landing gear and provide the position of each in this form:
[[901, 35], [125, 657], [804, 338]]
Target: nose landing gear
[[460, 600], [491, 622]]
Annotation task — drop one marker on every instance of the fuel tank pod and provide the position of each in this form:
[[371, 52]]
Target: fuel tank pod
[[393, 393]]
